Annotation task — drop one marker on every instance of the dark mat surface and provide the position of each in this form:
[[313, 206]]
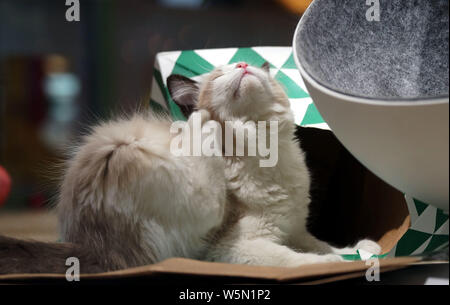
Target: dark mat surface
[[405, 54]]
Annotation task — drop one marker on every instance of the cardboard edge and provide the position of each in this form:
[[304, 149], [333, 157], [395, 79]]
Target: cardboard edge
[[310, 271], [392, 237], [183, 266], [348, 276]]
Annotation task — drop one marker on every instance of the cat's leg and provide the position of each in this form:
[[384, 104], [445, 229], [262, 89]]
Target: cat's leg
[[254, 240], [310, 243], [365, 244], [265, 252], [202, 114]]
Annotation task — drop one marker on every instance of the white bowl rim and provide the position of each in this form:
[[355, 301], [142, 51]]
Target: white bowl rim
[[411, 102]]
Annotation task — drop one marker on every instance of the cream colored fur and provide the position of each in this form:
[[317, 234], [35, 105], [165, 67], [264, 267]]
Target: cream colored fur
[[128, 198], [266, 222]]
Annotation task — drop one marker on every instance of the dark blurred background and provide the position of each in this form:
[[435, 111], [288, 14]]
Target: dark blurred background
[[56, 77]]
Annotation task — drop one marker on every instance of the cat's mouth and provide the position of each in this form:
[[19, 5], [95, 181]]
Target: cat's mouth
[[244, 74]]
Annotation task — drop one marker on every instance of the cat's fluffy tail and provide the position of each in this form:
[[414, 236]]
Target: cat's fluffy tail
[[21, 256]]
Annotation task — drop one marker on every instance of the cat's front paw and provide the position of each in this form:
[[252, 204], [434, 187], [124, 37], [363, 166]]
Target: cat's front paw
[[365, 244], [202, 115], [369, 246], [328, 258]]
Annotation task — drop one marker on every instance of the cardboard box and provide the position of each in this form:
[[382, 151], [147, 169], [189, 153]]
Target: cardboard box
[[348, 202], [181, 271]]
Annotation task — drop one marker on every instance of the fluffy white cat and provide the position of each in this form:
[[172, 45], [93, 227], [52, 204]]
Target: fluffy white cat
[[268, 206]]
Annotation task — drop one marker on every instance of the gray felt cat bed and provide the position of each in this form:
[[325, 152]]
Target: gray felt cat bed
[[379, 76]]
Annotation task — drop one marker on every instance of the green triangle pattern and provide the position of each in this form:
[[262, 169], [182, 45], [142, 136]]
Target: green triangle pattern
[[420, 206], [436, 241], [292, 89], [290, 63], [441, 218], [410, 242], [357, 257], [312, 116], [191, 64], [249, 56]]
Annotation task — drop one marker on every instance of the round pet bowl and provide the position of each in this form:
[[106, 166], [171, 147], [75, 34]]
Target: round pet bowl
[[383, 86]]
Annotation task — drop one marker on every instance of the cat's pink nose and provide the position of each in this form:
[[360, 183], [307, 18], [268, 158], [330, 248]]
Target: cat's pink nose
[[242, 65]]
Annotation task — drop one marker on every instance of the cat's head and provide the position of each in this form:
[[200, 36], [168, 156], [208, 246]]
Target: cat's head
[[234, 91]]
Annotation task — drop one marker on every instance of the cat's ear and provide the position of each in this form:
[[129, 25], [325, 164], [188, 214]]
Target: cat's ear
[[266, 66], [184, 92]]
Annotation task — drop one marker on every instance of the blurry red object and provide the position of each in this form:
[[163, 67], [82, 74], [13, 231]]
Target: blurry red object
[[5, 185]]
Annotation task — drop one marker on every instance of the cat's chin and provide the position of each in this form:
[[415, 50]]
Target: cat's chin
[[250, 80], [250, 89]]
